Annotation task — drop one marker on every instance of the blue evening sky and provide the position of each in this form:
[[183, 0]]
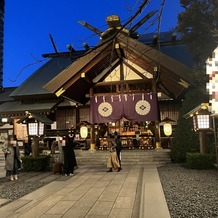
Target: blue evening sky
[[28, 24]]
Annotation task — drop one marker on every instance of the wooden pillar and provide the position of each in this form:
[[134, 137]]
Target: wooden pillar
[[35, 146], [77, 114], [203, 141], [157, 125], [121, 78], [92, 133], [157, 135]]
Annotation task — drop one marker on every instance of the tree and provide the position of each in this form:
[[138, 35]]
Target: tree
[[185, 139], [199, 27]]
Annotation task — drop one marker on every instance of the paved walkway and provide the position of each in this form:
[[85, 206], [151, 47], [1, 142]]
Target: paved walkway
[[134, 192]]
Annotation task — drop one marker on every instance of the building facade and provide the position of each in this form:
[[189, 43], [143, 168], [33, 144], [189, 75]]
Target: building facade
[[65, 87]]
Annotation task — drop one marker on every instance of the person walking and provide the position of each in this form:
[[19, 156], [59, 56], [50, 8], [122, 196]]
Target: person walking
[[69, 155], [118, 147], [113, 161], [12, 158]]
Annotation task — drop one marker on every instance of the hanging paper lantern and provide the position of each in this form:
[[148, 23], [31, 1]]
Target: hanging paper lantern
[[167, 129], [83, 132]]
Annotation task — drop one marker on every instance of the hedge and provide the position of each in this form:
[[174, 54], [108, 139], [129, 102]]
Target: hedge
[[199, 161], [40, 163]]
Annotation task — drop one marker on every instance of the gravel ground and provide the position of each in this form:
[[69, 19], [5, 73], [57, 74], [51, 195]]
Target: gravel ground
[[26, 183], [190, 193], [13, 192]]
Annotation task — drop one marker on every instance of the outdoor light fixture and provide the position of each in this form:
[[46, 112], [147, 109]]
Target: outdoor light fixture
[[35, 123], [84, 132], [4, 120], [83, 75], [202, 124], [167, 127], [202, 120], [84, 129], [35, 128]]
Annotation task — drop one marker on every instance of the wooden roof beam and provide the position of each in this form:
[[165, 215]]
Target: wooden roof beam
[[115, 93], [137, 81], [108, 69]]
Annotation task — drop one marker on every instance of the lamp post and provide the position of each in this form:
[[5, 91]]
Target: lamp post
[[202, 123], [35, 128]]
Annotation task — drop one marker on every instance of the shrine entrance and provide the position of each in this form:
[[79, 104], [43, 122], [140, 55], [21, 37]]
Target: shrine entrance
[[122, 78], [131, 116], [133, 135]]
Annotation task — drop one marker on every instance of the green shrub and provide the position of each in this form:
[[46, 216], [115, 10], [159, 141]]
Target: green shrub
[[40, 163], [199, 161], [186, 140]]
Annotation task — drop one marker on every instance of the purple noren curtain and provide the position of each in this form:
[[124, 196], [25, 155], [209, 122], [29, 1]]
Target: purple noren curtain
[[134, 107]]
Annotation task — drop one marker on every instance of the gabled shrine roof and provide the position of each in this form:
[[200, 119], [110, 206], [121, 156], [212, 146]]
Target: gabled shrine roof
[[91, 69]]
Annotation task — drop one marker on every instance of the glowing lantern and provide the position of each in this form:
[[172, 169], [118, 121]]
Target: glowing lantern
[[167, 129], [84, 131], [201, 119]]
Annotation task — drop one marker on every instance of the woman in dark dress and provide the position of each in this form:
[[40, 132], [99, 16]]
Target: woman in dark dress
[[69, 155]]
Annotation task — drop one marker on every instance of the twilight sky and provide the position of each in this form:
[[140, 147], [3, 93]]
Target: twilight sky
[[29, 23]]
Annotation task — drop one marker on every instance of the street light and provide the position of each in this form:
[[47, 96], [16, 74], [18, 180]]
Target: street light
[[202, 120], [202, 123], [35, 128]]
